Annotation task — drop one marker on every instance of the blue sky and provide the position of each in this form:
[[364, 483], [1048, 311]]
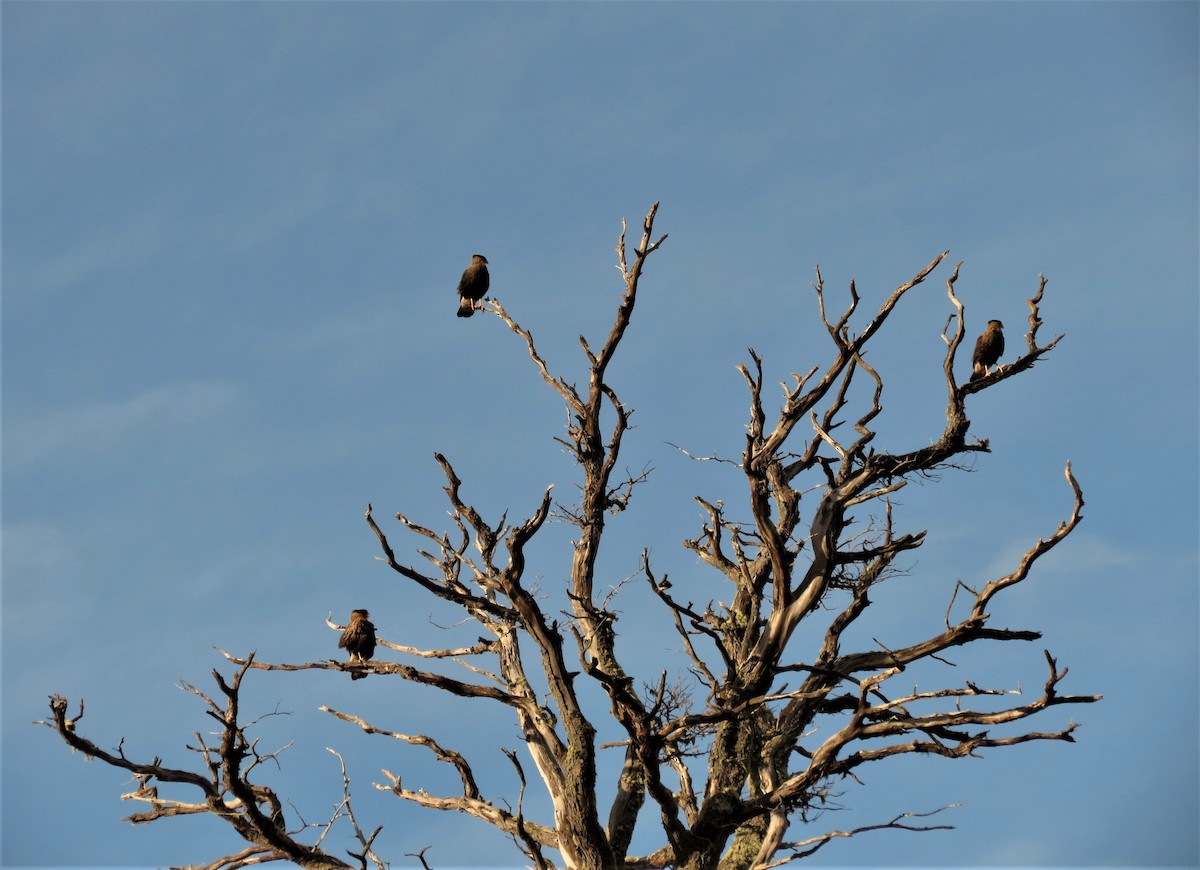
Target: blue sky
[[231, 236]]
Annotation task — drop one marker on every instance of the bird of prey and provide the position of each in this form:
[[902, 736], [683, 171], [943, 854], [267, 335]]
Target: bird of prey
[[988, 348], [358, 639], [473, 286]]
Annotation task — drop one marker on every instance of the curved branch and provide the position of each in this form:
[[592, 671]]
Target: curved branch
[[227, 792]]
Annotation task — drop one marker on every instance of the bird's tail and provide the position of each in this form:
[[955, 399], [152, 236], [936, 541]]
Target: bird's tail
[[465, 307]]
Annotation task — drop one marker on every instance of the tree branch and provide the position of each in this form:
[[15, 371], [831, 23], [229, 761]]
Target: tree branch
[[226, 791]]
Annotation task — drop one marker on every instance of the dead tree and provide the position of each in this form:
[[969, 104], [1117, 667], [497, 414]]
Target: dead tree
[[753, 739]]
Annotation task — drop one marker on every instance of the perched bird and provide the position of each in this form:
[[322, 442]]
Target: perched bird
[[473, 286], [988, 348], [358, 639]]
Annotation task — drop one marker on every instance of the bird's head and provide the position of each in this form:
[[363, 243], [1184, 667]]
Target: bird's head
[[360, 614], [479, 258]]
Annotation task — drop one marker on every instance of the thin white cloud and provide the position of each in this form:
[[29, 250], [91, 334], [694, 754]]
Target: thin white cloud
[[109, 246], [101, 426], [1080, 555], [36, 550]]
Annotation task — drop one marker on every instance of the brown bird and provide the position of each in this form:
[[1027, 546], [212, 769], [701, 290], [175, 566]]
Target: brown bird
[[358, 639], [473, 286], [988, 348]]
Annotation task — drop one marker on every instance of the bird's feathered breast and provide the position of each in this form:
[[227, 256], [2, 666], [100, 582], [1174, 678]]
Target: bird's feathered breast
[[989, 346], [475, 279]]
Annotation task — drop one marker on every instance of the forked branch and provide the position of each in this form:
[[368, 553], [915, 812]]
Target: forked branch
[[224, 788]]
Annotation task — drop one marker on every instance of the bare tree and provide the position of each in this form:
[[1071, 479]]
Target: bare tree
[[751, 739]]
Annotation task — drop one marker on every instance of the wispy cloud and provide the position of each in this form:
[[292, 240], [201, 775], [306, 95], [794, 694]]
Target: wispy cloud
[[35, 550], [101, 426], [114, 244], [38, 556], [1081, 553]]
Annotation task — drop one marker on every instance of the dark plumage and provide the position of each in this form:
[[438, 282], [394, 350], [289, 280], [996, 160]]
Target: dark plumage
[[473, 286], [358, 639], [988, 348]]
